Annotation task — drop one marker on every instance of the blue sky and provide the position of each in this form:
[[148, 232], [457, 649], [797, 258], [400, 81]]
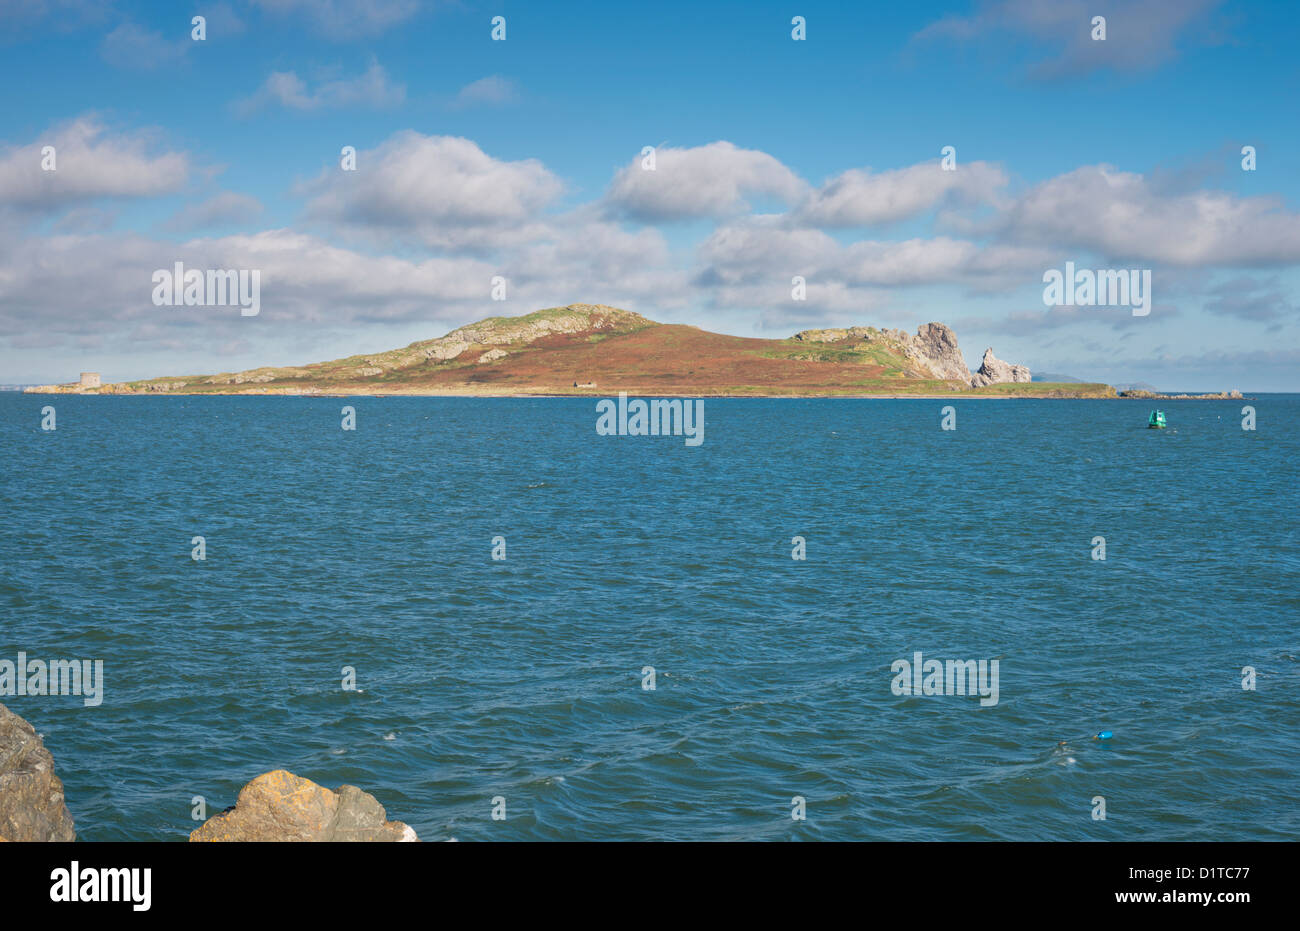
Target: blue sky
[[775, 158]]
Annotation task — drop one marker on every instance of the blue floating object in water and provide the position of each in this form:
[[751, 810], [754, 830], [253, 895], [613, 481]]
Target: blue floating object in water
[[1104, 735]]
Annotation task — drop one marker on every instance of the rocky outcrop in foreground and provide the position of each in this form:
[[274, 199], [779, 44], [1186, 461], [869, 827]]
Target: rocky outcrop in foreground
[[31, 796], [993, 371], [280, 806]]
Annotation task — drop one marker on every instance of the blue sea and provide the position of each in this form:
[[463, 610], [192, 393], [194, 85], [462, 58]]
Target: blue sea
[[525, 678]]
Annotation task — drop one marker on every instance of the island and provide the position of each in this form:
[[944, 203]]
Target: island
[[594, 350]]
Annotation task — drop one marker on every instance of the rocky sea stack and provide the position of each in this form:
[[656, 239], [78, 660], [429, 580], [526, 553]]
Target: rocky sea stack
[[993, 371], [31, 796]]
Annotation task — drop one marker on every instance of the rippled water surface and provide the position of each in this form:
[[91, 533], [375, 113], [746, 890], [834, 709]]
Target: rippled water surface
[[522, 678]]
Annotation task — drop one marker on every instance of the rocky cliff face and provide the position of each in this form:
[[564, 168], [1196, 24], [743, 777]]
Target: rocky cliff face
[[31, 796], [994, 371], [280, 806], [931, 353], [936, 344]]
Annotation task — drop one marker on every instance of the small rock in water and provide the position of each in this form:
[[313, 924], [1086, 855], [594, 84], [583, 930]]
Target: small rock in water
[[280, 806]]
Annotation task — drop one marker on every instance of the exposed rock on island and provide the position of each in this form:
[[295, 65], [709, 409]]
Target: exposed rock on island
[[932, 352], [994, 371], [31, 795]]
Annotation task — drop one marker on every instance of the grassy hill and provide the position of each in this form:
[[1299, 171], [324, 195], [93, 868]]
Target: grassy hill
[[586, 349]]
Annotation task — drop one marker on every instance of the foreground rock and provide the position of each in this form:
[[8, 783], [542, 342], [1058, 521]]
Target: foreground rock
[[280, 806], [31, 796], [993, 371]]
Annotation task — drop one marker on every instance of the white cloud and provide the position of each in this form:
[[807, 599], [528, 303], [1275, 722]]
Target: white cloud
[[910, 262], [70, 286], [581, 257], [493, 90], [861, 198], [764, 248], [90, 163], [1119, 215], [440, 190], [369, 89], [224, 208], [711, 180]]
